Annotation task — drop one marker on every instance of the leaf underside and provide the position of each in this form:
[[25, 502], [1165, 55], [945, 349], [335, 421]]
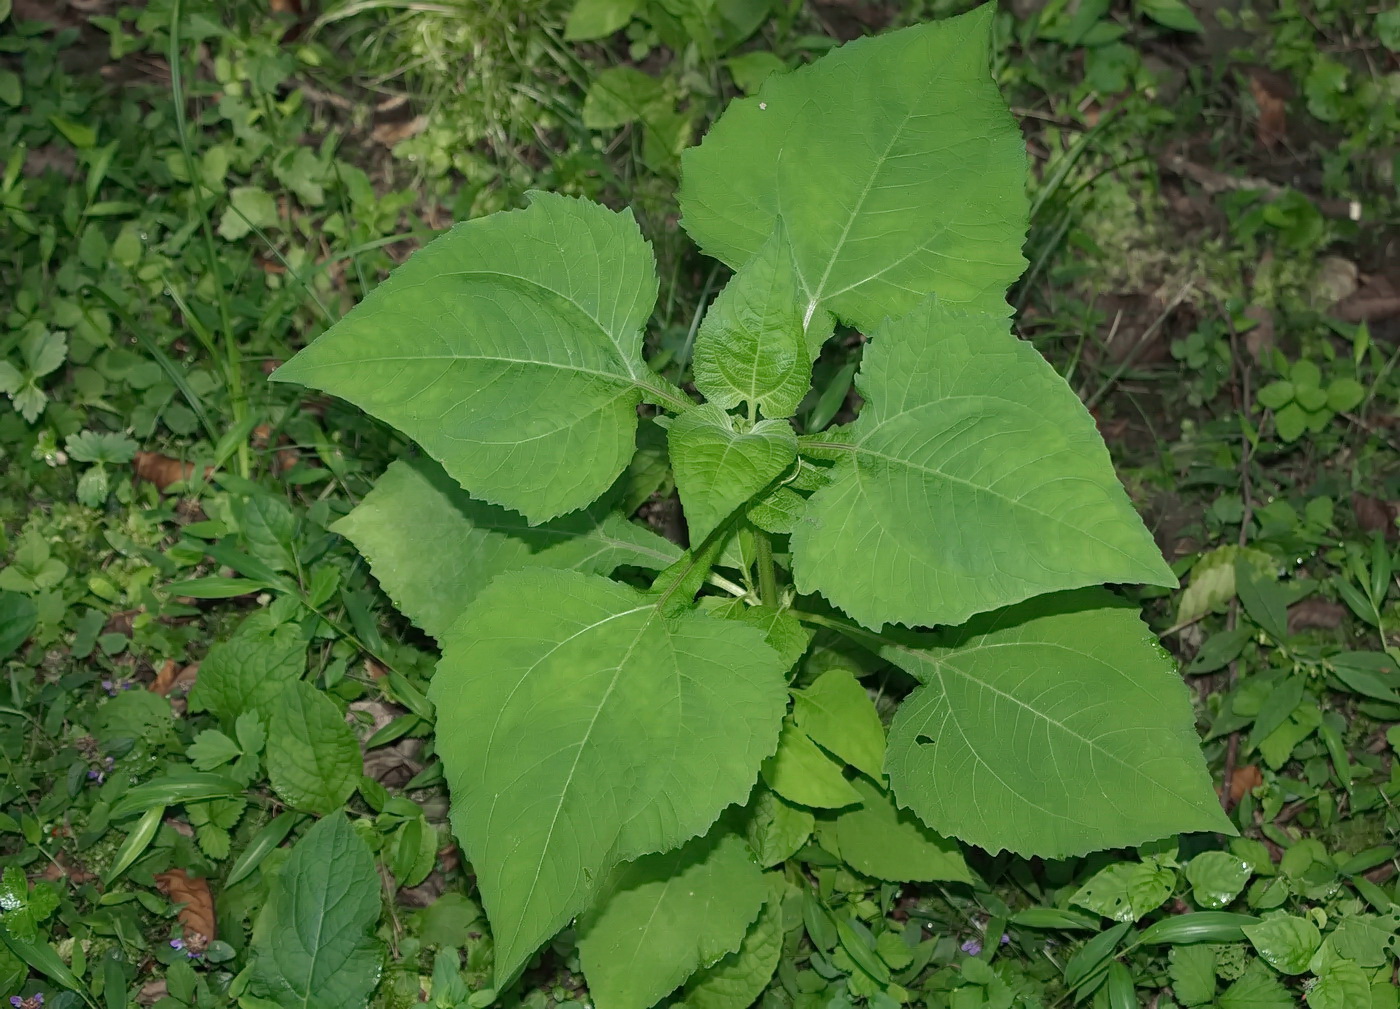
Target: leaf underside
[[433, 547], [510, 349], [600, 731], [973, 479], [893, 164], [1053, 728]]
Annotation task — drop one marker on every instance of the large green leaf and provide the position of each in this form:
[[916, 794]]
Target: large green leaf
[[972, 479], [1051, 728], [511, 350], [879, 839], [802, 772], [752, 346], [893, 164], [837, 712], [313, 760], [594, 730], [719, 467], [433, 547], [313, 946], [738, 979], [664, 916]]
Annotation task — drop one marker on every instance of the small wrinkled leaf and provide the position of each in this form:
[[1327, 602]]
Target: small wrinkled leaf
[[1128, 890], [313, 760], [718, 467], [893, 164], [962, 419], [312, 945], [802, 773], [774, 827], [878, 839], [1192, 970], [1258, 988], [433, 547], [665, 916], [753, 346], [1341, 983], [600, 745], [999, 748], [510, 349], [837, 713], [248, 673], [1217, 877], [1286, 941]]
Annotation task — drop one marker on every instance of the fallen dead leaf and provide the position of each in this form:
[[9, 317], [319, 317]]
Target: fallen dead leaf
[[1315, 614], [197, 916], [172, 676], [1243, 779], [152, 992], [1259, 339], [62, 868], [396, 132], [162, 470], [1273, 109], [1374, 515]]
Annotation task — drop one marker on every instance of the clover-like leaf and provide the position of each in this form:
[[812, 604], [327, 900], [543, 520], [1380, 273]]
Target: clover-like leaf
[[1054, 728], [510, 349], [893, 164], [972, 479], [718, 467], [666, 915], [754, 346], [600, 730], [433, 547]]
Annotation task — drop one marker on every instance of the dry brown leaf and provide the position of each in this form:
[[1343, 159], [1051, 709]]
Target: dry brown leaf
[[1374, 515], [197, 916], [1273, 110], [152, 992], [1259, 339], [162, 470], [1315, 614], [1243, 779], [173, 676], [393, 133]]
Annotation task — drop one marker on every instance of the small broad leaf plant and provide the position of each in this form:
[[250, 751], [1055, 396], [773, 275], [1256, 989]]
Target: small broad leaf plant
[[638, 760]]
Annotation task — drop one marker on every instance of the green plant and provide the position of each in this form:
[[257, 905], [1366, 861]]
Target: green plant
[[594, 731]]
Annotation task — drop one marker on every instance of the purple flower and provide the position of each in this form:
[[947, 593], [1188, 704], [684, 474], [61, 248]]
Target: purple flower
[[96, 776], [110, 687], [1005, 939], [177, 944], [16, 1001], [972, 947]]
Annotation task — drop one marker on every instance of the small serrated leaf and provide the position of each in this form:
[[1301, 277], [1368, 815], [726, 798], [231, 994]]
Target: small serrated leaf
[[719, 467], [313, 760]]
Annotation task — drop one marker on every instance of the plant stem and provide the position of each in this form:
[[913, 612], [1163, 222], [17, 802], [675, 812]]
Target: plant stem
[[767, 571]]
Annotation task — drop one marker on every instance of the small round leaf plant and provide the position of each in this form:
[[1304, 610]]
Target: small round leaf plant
[[636, 760]]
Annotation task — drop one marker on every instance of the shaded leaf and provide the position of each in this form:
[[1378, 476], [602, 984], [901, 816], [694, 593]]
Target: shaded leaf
[[1000, 748], [510, 350], [601, 741], [962, 419], [837, 712], [878, 839], [803, 773], [313, 760], [248, 673], [718, 467], [893, 163]]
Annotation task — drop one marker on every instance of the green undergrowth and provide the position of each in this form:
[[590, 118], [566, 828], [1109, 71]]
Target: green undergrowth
[[164, 508]]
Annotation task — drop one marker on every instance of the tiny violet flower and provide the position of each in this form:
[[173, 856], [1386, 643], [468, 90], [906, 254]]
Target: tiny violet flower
[[1005, 939], [177, 944], [972, 946], [16, 1001]]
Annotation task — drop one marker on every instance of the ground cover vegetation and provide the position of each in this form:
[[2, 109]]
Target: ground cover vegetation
[[592, 631]]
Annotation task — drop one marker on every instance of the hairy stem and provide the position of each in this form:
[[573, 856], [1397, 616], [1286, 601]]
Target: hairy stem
[[767, 571]]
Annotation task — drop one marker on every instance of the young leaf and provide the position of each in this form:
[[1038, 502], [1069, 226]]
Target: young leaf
[[603, 731], [774, 827], [999, 746], [837, 712], [511, 350], [879, 839], [973, 479], [894, 165], [783, 631], [1125, 891], [719, 467], [313, 760], [752, 346], [433, 547], [803, 773], [248, 673], [312, 946], [738, 979], [665, 916]]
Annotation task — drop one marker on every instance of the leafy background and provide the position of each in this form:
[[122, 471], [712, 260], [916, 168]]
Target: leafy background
[[218, 744]]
